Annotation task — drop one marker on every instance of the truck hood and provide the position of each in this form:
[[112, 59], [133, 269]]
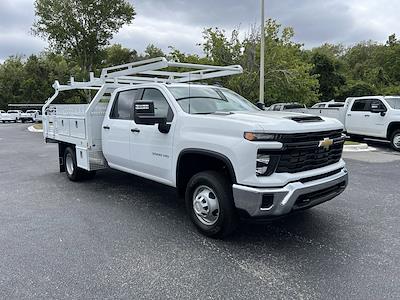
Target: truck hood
[[281, 122]]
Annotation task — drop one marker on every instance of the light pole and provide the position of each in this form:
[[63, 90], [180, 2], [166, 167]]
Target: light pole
[[262, 54]]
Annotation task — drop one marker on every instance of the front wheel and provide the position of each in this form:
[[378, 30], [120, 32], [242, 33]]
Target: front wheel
[[395, 140], [209, 202]]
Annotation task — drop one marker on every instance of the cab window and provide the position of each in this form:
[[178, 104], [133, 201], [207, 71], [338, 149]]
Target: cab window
[[361, 105], [161, 106]]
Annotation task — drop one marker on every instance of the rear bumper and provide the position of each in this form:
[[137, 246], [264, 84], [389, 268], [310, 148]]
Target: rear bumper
[[276, 202]]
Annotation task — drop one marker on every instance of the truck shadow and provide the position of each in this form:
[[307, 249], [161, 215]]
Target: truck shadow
[[315, 224]]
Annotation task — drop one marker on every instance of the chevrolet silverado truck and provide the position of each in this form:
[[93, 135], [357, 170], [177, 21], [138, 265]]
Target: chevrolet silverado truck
[[227, 158], [375, 117]]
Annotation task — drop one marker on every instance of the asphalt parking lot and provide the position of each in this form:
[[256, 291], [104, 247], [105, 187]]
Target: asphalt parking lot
[[119, 236]]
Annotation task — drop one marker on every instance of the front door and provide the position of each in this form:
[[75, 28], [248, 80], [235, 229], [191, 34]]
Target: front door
[[152, 150], [116, 131], [376, 125]]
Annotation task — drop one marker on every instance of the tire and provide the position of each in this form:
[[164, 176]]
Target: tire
[[395, 140], [74, 173], [216, 213]]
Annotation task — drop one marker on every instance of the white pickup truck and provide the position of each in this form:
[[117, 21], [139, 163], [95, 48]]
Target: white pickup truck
[[11, 116], [229, 159], [372, 116]]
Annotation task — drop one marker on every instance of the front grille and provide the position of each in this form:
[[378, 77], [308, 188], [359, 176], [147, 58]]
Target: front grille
[[301, 152]]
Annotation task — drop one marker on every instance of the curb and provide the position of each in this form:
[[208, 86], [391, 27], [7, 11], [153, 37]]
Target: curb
[[33, 129], [358, 148]]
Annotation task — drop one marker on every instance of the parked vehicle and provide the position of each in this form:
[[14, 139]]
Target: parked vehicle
[[36, 115], [372, 116], [11, 116], [228, 159], [286, 106], [26, 117]]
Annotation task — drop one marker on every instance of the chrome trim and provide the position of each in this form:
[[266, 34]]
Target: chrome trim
[[249, 199]]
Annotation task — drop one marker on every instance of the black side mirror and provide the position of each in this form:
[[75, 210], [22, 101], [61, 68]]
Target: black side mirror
[[260, 105], [378, 108], [144, 115]]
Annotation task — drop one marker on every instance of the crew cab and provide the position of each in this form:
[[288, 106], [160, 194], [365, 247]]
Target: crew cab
[[226, 157], [368, 117]]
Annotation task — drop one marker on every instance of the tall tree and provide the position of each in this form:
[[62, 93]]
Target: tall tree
[[329, 77], [81, 28]]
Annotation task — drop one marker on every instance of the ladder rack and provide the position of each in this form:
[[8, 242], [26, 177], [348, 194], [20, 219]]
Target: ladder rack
[[151, 70]]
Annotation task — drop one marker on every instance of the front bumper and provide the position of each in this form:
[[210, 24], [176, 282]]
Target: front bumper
[[276, 202]]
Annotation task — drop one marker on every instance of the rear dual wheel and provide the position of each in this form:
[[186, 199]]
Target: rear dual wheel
[[74, 173]]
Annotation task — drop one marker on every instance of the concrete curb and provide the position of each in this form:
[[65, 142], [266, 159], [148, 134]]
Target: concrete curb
[[358, 148], [33, 129]]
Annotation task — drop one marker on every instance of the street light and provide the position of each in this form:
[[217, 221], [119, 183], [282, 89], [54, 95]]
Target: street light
[[262, 55]]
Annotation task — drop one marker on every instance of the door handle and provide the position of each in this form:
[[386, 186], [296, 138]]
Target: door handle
[[106, 127], [349, 115], [367, 116], [136, 130]]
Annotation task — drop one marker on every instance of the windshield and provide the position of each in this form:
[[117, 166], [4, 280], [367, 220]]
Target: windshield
[[208, 100], [393, 102]]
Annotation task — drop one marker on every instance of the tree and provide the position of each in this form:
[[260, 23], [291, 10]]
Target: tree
[[329, 77], [81, 29], [153, 52], [356, 89], [118, 55], [287, 73]]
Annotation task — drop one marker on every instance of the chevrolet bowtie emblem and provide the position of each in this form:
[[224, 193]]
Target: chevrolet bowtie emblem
[[326, 143]]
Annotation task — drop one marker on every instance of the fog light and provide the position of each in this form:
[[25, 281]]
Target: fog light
[[262, 164]]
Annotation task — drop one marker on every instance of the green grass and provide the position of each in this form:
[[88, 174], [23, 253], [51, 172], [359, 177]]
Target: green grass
[[351, 143], [38, 126]]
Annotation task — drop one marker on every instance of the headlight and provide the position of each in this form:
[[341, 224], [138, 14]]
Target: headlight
[[262, 164], [259, 136]]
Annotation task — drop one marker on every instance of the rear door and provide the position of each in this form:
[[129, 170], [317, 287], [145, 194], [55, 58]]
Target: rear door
[[357, 116], [116, 131], [152, 151]]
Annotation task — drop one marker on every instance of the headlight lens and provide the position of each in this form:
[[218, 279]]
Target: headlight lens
[[259, 136], [263, 161]]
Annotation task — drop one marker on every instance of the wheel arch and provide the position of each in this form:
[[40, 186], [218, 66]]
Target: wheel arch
[[393, 126], [192, 161]]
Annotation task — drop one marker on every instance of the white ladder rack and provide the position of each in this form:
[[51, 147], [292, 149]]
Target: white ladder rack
[[151, 70]]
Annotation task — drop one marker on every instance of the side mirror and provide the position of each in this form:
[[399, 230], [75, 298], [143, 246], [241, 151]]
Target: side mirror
[[260, 105], [144, 115], [378, 108]]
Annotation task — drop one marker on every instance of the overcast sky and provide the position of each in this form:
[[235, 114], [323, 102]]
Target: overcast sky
[[179, 23]]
